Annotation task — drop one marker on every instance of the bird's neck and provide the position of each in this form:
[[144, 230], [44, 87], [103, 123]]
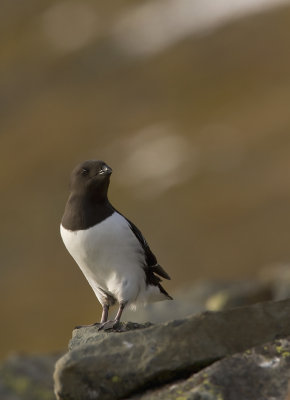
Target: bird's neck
[[82, 212]]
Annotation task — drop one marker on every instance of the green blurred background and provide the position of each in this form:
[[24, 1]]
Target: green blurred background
[[187, 103]]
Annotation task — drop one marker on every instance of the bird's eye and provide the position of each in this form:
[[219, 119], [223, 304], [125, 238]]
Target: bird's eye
[[84, 171]]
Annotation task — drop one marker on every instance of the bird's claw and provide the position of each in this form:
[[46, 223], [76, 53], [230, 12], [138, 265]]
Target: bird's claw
[[105, 326]]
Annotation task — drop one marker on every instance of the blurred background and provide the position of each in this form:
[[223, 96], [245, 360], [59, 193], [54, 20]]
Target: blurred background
[[187, 101]]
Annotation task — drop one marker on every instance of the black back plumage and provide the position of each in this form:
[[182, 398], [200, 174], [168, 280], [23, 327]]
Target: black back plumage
[[152, 269]]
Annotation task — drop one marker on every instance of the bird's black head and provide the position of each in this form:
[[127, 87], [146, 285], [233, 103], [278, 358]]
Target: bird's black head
[[91, 178]]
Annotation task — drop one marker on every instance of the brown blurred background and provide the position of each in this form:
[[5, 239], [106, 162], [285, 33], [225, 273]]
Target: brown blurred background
[[188, 102]]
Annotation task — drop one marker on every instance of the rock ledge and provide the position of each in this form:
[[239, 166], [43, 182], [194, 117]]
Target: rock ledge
[[118, 365]]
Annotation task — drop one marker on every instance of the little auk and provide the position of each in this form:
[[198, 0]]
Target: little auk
[[109, 249]]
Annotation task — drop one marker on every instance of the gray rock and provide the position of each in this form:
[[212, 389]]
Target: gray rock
[[121, 364], [257, 374], [92, 335], [25, 377]]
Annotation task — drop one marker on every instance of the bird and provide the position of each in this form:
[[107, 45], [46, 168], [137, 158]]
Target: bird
[[109, 249]]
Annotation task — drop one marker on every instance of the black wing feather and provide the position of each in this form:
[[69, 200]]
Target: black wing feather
[[151, 260], [152, 267]]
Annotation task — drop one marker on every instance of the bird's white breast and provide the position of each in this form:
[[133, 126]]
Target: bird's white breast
[[110, 257]]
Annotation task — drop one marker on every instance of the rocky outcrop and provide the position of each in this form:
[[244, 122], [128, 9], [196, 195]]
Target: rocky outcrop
[[256, 374], [91, 335], [213, 355], [117, 365]]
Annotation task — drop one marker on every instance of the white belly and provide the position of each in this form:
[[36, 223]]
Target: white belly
[[110, 258]]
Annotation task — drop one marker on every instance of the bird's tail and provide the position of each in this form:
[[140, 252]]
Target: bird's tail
[[157, 269]]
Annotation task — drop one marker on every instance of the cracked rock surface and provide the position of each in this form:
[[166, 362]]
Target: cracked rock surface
[[262, 372], [179, 359]]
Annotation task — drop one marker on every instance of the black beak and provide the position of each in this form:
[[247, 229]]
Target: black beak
[[106, 170]]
